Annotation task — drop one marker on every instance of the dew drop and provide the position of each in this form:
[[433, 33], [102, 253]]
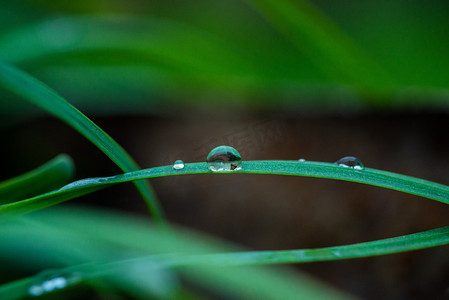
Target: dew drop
[[224, 158], [51, 280], [178, 165], [336, 253], [350, 162], [301, 160]]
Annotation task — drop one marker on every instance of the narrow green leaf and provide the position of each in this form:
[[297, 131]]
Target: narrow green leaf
[[66, 229], [48, 177], [416, 241], [370, 176], [141, 279], [38, 93], [15, 290], [194, 255]]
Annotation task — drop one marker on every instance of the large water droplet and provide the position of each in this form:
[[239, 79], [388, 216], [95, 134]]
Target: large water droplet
[[301, 160], [224, 158], [51, 280], [350, 162], [178, 165]]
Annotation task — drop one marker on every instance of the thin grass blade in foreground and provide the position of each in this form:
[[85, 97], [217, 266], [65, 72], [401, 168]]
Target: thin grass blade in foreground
[[416, 241], [370, 176], [50, 176], [149, 282], [119, 268], [38, 93], [114, 241], [207, 249], [200, 254]]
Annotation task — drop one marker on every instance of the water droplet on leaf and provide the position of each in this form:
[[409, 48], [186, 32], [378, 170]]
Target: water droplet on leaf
[[224, 158], [336, 253], [51, 280], [350, 162], [301, 160], [178, 165]]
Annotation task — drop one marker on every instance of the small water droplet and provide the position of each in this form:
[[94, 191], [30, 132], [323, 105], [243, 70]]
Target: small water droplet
[[337, 253], [51, 280], [178, 165], [301, 160], [350, 162], [224, 158]]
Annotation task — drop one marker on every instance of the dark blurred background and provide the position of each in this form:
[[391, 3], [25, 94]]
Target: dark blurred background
[[317, 80]]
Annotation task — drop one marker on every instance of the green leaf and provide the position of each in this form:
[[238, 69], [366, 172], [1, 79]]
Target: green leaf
[[416, 241], [370, 176], [15, 290], [48, 177], [205, 260], [111, 241], [38, 93]]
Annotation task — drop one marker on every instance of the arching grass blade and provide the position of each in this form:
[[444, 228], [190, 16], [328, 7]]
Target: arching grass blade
[[48, 177], [369, 176], [38, 93]]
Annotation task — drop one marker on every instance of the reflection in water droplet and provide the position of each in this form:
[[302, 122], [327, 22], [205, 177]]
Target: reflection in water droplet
[[350, 162], [178, 165], [224, 158], [301, 160], [51, 280]]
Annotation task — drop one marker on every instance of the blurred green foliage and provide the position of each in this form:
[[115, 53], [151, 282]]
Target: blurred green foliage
[[256, 53]]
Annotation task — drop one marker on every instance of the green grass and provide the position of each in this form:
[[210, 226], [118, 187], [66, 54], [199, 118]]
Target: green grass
[[370, 176], [45, 178], [116, 244], [95, 54], [38, 93], [200, 256]]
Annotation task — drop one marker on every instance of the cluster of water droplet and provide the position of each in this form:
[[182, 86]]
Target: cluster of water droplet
[[226, 158], [51, 280]]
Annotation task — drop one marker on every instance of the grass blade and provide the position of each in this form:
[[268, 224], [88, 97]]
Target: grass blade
[[369, 176], [416, 241], [91, 232], [16, 289], [148, 280], [222, 271], [48, 177], [38, 93]]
